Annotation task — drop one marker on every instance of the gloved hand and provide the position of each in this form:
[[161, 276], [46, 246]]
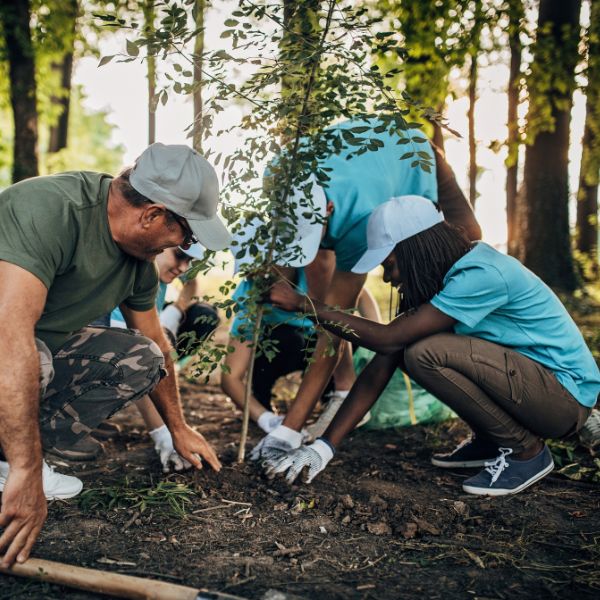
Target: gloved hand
[[316, 457], [276, 444], [163, 444], [268, 421]]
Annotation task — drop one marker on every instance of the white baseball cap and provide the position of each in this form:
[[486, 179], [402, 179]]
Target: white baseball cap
[[395, 221], [308, 222], [187, 184]]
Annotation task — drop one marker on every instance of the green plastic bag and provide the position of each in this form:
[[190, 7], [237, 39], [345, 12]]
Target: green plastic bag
[[394, 407]]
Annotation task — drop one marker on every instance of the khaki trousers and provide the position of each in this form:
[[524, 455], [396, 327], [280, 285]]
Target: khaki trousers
[[502, 395]]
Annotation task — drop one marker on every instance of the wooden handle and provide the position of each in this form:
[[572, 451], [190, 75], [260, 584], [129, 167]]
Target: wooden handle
[[105, 582]]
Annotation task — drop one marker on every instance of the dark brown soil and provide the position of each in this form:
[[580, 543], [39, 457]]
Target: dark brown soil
[[380, 522]]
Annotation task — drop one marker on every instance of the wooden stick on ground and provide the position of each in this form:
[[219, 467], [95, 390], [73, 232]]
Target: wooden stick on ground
[[111, 584]]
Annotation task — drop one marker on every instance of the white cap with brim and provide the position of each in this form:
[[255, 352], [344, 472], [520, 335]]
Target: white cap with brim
[[187, 184], [395, 221], [308, 220]]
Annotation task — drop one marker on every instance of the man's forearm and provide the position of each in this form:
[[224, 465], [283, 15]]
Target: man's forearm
[[19, 402], [314, 382], [165, 397]]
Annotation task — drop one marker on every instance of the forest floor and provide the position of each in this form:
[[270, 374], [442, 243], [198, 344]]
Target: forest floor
[[381, 522]]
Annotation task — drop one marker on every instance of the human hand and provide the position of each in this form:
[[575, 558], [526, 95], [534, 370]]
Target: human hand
[[192, 446], [275, 445], [316, 457], [163, 444], [22, 515], [282, 295]]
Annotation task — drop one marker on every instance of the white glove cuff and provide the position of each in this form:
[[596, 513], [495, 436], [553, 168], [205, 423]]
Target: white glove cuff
[[323, 449], [170, 318], [160, 434], [281, 432]]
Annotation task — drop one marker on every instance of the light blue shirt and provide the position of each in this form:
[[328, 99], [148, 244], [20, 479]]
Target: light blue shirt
[[242, 327], [362, 183], [494, 297], [116, 316]]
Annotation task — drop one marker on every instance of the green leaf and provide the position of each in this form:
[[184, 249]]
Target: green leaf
[[231, 22], [407, 155], [132, 49], [105, 60]]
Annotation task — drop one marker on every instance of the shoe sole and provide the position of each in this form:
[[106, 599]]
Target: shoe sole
[[506, 492], [465, 464]]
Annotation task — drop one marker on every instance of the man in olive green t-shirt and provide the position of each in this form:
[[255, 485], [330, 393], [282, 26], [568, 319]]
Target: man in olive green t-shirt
[[72, 247]]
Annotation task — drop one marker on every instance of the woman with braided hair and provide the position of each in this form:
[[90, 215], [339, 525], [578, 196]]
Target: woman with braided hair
[[476, 329]]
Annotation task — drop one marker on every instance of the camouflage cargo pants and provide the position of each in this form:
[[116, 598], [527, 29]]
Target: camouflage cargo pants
[[97, 372]]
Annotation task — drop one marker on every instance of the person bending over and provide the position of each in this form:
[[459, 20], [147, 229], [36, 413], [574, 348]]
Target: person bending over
[[479, 331]]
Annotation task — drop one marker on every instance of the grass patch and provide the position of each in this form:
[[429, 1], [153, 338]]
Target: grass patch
[[166, 497]]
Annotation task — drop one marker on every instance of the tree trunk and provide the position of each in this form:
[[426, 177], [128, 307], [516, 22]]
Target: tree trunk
[[587, 196], [198, 52], [471, 118], [300, 38], [150, 72], [64, 68], [516, 14], [59, 133], [15, 18], [545, 228]]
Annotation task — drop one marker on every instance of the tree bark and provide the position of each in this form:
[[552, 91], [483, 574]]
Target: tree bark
[[15, 17], [516, 13], [150, 72], [589, 176], [198, 52], [59, 132], [546, 248], [471, 119]]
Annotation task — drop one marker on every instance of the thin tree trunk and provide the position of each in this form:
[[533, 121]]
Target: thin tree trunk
[[515, 15], [589, 176], [151, 72], [198, 52], [471, 118], [59, 133], [545, 225], [15, 18]]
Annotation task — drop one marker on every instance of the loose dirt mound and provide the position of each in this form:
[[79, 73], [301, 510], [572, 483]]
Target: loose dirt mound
[[380, 522]]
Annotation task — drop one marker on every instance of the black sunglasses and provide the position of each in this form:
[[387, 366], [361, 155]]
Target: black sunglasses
[[189, 238]]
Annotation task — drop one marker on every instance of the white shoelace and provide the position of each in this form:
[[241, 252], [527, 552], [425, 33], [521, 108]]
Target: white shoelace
[[495, 468]]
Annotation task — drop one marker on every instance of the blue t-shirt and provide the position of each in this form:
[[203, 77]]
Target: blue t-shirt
[[116, 316], [359, 185], [271, 316], [494, 297]]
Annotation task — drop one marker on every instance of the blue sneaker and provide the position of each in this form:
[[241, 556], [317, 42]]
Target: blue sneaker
[[508, 476]]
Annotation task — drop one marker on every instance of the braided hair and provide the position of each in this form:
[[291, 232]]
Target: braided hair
[[424, 259]]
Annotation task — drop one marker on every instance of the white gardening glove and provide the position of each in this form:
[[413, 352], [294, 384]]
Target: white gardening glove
[[316, 457], [276, 444], [163, 444]]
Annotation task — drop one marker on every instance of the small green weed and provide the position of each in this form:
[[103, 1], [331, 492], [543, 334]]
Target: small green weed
[[168, 497]]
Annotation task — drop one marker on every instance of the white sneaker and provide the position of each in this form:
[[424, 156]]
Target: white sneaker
[[336, 399], [56, 486]]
